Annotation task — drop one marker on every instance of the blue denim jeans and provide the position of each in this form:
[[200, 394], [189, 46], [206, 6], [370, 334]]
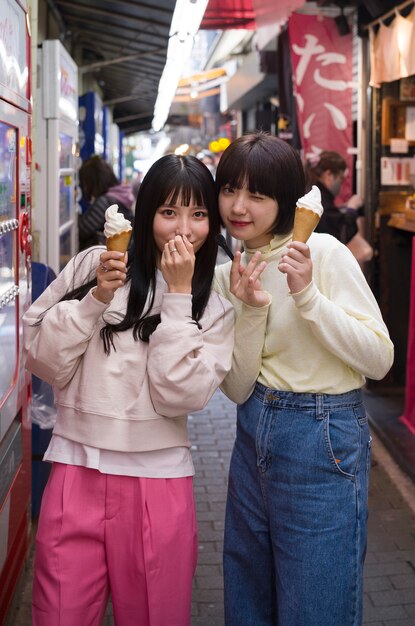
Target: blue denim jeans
[[296, 514]]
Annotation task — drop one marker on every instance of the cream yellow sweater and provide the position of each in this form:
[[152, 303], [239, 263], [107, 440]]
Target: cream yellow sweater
[[325, 339]]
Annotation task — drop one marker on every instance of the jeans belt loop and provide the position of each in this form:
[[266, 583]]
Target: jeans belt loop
[[319, 406], [269, 396]]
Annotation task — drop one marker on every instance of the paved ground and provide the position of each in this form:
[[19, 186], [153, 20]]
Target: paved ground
[[390, 563]]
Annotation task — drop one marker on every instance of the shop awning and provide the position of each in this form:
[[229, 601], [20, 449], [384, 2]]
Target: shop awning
[[265, 16], [224, 14], [122, 46], [200, 85]]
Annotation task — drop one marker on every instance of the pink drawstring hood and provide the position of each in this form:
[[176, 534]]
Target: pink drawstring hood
[[123, 193]]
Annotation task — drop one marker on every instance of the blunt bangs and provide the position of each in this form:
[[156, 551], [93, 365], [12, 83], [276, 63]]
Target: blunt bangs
[[194, 184], [185, 178], [249, 167], [187, 190]]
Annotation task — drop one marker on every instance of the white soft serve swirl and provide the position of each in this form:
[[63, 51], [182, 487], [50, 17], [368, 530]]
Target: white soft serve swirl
[[115, 222], [312, 201]]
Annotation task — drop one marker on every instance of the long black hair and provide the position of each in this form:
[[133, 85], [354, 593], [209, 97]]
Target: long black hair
[[268, 166], [168, 179]]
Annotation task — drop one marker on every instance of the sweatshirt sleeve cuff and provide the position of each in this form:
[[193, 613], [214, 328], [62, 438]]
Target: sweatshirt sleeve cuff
[[176, 306], [258, 310], [90, 309], [303, 297]]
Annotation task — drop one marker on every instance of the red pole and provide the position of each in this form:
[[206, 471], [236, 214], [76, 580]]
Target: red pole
[[408, 417]]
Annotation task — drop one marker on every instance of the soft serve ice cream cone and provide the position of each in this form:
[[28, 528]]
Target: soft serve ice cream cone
[[307, 214], [117, 229]]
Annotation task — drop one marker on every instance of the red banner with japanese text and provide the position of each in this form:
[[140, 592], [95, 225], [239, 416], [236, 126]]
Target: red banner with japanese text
[[322, 76]]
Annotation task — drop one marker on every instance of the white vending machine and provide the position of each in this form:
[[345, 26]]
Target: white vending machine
[[56, 121]]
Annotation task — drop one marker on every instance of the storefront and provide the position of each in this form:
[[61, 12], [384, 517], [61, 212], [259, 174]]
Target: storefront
[[391, 187]]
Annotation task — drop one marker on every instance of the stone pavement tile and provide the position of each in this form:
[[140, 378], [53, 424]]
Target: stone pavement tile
[[390, 557], [383, 614], [403, 582], [408, 621], [209, 558], [392, 598], [378, 583], [398, 622], [387, 569]]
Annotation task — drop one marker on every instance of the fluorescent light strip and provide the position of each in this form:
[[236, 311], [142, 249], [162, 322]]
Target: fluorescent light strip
[[185, 23]]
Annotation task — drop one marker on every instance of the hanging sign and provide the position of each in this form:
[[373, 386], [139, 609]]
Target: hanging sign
[[322, 76]]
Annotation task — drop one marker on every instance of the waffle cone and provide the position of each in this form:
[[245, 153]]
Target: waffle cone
[[119, 242], [305, 222]]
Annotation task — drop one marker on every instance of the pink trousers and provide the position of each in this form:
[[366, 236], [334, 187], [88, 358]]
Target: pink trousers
[[135, 538]]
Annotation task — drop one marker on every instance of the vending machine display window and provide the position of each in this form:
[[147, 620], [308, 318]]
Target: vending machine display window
[[66, 192], [7, 171], [8, 338], [8, 288], [65, 151], [7, 270]]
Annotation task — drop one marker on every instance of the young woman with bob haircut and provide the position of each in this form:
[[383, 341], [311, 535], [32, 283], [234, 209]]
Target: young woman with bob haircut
[[308, 332]]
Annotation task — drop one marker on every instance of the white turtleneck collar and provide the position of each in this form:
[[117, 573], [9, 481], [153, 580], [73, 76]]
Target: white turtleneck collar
[[276, 245]]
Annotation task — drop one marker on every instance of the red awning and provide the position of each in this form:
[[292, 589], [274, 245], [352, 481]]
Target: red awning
[[224, 14]]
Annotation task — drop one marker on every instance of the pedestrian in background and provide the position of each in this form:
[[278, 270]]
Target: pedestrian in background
[[100, 189], [131, 346], [208, 158], [328, 171], [308, 332]]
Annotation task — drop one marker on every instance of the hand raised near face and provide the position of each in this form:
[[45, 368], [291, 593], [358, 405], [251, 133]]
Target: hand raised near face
[[178, 264], [245, 283], [111, 275], [354, 202]]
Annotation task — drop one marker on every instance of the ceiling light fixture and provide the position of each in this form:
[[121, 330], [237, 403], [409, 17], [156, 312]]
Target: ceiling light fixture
[[185, 23]]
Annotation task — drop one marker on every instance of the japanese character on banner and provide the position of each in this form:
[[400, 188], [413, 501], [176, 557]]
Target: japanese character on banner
[[322, 77]]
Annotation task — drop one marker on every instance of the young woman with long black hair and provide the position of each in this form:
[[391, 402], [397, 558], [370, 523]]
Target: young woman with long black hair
[[131, 345]]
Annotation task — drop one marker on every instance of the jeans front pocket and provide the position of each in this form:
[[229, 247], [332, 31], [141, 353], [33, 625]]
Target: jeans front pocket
[[343, 436]]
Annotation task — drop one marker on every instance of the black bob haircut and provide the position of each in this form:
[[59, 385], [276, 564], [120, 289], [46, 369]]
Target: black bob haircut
[[268, 166]]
